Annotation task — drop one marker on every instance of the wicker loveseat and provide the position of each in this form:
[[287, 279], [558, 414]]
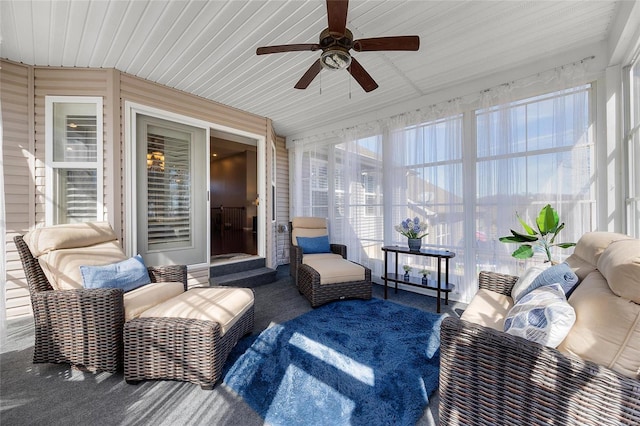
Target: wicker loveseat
[[84, 326], [489, 377]]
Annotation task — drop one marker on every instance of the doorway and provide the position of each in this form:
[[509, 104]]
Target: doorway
[[233, 186]]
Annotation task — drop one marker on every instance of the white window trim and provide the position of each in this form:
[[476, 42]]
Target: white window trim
[[98, 165], [274, 192]]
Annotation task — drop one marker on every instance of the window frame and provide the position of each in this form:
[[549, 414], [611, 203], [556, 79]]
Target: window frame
[[52, 210], [631, 139]]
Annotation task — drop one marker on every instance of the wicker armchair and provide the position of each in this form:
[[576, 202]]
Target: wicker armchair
[[81, 327], [308, 226], [488, 377]]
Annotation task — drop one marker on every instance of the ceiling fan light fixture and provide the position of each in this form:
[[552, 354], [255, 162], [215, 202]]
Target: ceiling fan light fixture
[[335, 59]]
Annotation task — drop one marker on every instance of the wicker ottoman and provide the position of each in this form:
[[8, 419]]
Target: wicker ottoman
[[326, 280], [189, 337]]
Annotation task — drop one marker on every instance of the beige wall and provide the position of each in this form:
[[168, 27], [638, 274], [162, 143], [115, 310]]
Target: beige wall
[[23, 91], [282, 207], [16, 97]]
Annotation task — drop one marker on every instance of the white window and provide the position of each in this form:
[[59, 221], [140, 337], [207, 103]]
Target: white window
[[632, 131], [530, 153], [73, 157]]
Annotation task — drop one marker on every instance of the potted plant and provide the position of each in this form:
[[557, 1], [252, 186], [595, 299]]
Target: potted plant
[[414, 230], [426, 274], [407, 269], [548, 227]]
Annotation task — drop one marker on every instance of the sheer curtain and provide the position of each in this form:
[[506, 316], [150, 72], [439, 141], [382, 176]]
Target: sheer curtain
[[530, 153]]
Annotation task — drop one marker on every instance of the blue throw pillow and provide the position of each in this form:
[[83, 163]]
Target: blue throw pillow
[[561, 274], [128, 275], [310, 245]]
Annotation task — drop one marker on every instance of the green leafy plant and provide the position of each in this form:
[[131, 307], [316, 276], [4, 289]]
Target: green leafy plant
[[407, 268], [548, 227]]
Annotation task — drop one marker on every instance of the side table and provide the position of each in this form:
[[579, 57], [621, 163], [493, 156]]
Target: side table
[[436, 285]]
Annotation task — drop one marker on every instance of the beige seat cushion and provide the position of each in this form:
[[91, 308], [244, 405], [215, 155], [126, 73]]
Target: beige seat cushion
[[143, 298], [489, 309], [224, 305], [620, 265], [62, 266], [317, 256], [607, 327], [334, 270], [43, 240]]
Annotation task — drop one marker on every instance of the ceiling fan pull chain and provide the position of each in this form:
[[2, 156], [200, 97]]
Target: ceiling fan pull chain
[[349, 78], [321, 83]]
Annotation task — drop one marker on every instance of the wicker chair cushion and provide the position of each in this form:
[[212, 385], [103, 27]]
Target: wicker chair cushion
[[591, 245], [607, 328], [308, 227], [309, 222], [336, 270], [224, 305], [489, 309], [543, 316], [43, 240], [146, 297], [62, 267], [620, 265], [311, 257]]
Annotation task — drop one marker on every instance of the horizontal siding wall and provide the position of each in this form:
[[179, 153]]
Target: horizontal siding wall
[[16, 90], [282, 207], [141, 91]]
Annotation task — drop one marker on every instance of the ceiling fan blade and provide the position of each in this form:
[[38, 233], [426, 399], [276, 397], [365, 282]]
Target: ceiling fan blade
[[337, 16], [308, 76], [362, 76], [286, 48], [387, 43]]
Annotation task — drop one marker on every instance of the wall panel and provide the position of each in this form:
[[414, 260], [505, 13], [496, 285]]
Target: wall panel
[[16, 91], [282, 206]]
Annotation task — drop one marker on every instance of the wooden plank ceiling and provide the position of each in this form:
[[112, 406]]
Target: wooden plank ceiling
[[208, 47]]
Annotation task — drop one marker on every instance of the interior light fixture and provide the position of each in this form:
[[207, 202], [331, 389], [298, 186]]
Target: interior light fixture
[[155, 161], [73, 125], [335, 59]]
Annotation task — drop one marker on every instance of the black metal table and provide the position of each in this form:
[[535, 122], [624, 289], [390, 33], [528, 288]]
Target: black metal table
[[436, 285]]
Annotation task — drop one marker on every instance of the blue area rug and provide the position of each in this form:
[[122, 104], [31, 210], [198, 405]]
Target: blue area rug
[[350, 362]]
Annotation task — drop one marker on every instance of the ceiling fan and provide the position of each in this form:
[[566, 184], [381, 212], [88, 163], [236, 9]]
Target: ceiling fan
[[336, 41]]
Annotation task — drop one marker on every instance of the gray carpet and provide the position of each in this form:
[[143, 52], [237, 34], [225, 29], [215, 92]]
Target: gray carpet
[[55, 394]]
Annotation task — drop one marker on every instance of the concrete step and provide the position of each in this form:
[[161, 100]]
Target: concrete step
[[236, 266], [247, 278]]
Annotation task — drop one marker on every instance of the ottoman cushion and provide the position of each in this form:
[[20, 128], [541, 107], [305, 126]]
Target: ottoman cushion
[[334, 270], [143, 298], [224, 305]]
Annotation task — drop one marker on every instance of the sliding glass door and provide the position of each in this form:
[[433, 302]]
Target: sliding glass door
[[171, 192]]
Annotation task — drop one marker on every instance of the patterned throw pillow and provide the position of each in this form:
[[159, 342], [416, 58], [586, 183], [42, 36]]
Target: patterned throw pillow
[[543, 316]]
